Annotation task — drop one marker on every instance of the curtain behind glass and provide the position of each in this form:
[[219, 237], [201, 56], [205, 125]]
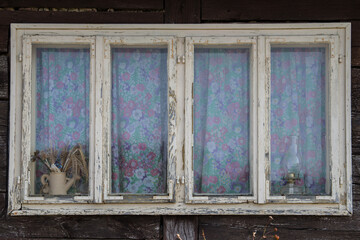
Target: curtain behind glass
[[221, 121], [298, 97], [139, 120], [62, 100]]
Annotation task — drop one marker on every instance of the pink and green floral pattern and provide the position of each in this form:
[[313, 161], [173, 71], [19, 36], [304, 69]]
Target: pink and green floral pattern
[[221, 121], [139, 120], [62, 100], [298, 96]]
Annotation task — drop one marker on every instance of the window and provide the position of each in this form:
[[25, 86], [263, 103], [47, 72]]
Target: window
[[180, 119]]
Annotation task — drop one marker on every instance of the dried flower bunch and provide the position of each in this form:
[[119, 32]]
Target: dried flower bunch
[[71, 161]]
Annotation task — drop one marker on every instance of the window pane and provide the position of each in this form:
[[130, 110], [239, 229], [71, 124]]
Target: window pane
[[221, 121], [139, 120], [62, 116], [298, 121]]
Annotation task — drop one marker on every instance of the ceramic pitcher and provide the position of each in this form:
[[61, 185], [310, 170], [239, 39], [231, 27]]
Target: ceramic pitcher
[[57, 183]]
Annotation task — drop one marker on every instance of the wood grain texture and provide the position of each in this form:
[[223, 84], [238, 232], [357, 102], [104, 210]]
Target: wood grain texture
[[4, 109], [355, 33], [123, 4], [4, 77], [3, 150], [356, 178], [3, 179], [182, 11], [106, 227], [355, 110], [296, 227], [7, 17], [280, 10], [4, 38], [185, 226], [2, 205], [355, 56]]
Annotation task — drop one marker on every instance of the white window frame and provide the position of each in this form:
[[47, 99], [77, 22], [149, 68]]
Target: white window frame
[[180, 40], [28, 126], [190, 43], [140, 41], [332, 113]]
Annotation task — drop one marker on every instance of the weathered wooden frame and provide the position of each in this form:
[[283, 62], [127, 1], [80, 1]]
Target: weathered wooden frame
[[180, 202], [190, 43], [331, 43], [28, 126], [140, 41]]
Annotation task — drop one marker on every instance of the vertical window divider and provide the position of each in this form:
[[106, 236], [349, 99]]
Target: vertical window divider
[[262, 132], [332, 116], [27, 116], [98, 170], [253, 131]]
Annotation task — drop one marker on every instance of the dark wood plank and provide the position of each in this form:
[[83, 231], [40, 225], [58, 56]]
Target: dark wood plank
[[4, 109], [280, 10], [123, 4], [355, 110], [356, 179], [7, 17], [242, 227], [185, 226], [3, 152], [4, 39], [355, 56], [355, 34], [83, 227], [3, 144], [182, 11], [3, 204], [4, 77], [3, 179]]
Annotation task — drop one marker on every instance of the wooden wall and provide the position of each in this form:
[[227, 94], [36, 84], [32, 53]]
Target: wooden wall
[[176, 11]]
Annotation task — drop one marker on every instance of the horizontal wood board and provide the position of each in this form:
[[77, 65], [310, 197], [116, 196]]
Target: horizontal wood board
[[280, 10], [166, 227], [103, 4]]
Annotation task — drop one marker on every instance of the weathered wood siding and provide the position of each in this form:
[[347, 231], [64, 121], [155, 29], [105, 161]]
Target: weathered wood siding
[[176, 11]]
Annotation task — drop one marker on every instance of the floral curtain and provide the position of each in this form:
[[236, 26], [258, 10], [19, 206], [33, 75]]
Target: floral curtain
[[62, 100], [298, 96], [139, 120], [221, 121]]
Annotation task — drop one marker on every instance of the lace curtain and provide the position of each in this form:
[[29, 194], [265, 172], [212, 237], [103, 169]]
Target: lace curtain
[[221, 121], [62, 100], [139, 120], [298, 96]]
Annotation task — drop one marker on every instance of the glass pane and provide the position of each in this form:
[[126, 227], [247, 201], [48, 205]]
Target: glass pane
[[139, 120], [298, 122], [221, 121], [62, 121]]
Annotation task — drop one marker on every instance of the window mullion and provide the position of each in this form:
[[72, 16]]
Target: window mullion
[[97, 124], [263, 116]]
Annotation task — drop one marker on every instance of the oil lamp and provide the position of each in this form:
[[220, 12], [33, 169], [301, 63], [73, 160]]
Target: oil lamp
[[293, 166]]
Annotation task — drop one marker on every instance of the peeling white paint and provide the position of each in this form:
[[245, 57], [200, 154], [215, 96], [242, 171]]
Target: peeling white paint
[[180, 41]]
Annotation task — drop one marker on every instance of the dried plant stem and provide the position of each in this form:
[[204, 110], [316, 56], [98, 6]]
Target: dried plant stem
[[72, 161], [203, 234]]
